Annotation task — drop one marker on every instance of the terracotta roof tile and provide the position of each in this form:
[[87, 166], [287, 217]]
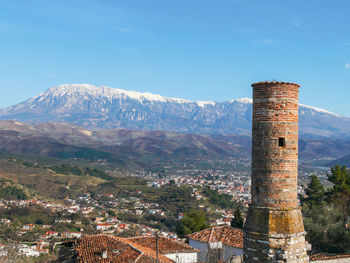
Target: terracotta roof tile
[[89, 249], [229, 236], [148, 254], [166, 245]]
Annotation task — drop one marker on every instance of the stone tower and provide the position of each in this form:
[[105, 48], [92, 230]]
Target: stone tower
[[274, 230]]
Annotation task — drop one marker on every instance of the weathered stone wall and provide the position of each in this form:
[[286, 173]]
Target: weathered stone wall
[[274, 230]]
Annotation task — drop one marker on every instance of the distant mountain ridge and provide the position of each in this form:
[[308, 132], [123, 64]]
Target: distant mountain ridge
[[131, 149], [126, 149], [107, 108]]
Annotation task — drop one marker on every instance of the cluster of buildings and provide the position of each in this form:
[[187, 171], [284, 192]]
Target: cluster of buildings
[[28, 250], [95, 210], [233, 183], [53, 207], [210, 245], [129, 205]]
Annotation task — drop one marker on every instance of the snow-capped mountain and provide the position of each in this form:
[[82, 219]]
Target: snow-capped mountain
[[105, 107]]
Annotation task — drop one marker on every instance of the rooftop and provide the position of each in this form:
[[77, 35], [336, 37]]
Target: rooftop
[[228, 236], [89, 249], [166, 245]]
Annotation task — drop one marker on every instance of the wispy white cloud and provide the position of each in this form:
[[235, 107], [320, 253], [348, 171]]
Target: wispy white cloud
[[347, 65], [264, 42]]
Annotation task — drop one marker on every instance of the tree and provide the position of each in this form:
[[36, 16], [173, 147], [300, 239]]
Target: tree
[[111, 212], [193, 221], [340, 177], [326, 213], [237, 221], [314, 192], [221, 200], [340, 193]]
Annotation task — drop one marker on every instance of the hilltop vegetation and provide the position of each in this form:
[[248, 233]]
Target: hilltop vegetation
[[69, 169], [9, 192], [223, 201], [326, 212]]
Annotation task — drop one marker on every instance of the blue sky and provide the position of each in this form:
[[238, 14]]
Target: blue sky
[[192, 49]]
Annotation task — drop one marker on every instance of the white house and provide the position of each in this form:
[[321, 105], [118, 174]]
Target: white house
[[3, 251], [87, 210], [28, 251], [217, 243], [28, 226], [71, 235], [5, 221], [52, 233], [103, 226]]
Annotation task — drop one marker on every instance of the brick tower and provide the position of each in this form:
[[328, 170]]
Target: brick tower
[[274, 230]]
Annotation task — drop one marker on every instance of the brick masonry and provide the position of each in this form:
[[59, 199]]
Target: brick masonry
[[274, 230]]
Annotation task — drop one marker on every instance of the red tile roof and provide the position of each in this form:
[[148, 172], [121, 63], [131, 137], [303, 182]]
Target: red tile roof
[[166, 245], [229, 236], [89, 249], [148, 255]]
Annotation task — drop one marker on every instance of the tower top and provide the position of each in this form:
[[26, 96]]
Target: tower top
[[273, 83]]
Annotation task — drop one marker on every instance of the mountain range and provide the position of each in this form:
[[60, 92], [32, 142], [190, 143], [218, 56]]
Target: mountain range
[[122, 148], [107, 108], [131, 149]]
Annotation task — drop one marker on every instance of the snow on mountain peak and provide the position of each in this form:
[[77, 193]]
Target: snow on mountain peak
[[320, 110], [85, 90], [204, 103], [106, 91], [110, 93], [105, 107], [243, 100]]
